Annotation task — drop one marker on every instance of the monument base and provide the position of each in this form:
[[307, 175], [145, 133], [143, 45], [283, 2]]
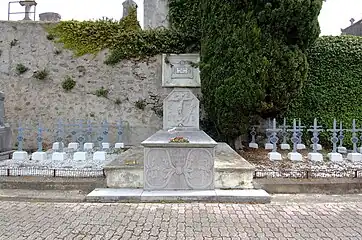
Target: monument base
[[274, 156], [99, 156], [253, 145], [20, 156], [342, 150], [59, 156], [105, 195], [80, 156], [295, 156], [301, 146], [73, 145], [315, 157], [335, 157], [231, 171], [39, 156], [354, 157], [284, 146], [268, 146]]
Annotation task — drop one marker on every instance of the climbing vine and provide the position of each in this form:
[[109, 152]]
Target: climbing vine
[[124, 38]]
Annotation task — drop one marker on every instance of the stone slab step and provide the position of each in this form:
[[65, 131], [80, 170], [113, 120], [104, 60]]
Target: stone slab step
[[256, 196], [41, 195]]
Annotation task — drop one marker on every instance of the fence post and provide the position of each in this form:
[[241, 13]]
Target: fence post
[[54, 172], [356, 174], [8, 172], [307, 174]]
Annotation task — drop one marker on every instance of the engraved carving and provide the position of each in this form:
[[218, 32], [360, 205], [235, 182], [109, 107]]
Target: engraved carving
[[179, 72], [181, 108], [179, 168]]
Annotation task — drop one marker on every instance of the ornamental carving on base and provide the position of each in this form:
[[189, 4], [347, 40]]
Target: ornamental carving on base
[[179, 168]]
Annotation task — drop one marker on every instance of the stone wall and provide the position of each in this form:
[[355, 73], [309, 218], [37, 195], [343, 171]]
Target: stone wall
[[29, 99]]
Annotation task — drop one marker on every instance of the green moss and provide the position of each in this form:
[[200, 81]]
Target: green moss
[[20, 69], [68, 83]]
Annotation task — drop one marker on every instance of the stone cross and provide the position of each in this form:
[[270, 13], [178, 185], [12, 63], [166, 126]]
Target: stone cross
[[2, 109], [103, 136], [119, 131], [300, 131], [40, 138], [315, 129], [274, 135], [89, 131], [27, 4], [127, 5], [284, 131], [253, 134], [60, 135], [268, 133], [341, 135], [354, 138], [334, 138], [20, 137], [295, 138], [80, 138]]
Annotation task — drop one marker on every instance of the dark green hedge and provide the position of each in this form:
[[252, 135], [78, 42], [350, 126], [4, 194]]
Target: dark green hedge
[[334, 86], [253, 60]]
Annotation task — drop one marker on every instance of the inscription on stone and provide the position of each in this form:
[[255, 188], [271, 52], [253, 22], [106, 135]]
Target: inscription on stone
[[181, 108], [179, 168], [178, 70]]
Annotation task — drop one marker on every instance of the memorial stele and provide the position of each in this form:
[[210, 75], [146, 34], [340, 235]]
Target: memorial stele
[[187, 165]]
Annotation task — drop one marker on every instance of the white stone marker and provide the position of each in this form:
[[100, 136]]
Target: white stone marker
[[99, 156], [39, 156], [88, 146], [354, 156], [20, 156], [253, 144], [119, 145], [59, 156], [334, 156], [57, 146], [294, 155], [315, 156], [106, 145], [274, 155], [284, 145], [73, 145], [80, 156]]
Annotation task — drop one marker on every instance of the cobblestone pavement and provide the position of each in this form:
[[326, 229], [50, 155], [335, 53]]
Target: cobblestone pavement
[[36, 220]]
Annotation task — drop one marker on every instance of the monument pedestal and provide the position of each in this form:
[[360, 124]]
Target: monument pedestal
[[179, 166], [39, 156]]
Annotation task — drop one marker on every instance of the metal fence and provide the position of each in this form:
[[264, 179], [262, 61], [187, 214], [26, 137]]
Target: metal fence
[[55, 172], [309, 174]]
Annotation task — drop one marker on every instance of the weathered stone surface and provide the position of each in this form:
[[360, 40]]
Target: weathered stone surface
[[31, 100], [50, 17], [231, 170], [179, 168], [2, 109], [181, 108], [155, 13], [179, 71], [127, 5]]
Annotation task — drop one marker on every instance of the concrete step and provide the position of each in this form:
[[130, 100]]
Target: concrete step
[[106, 195], [42, 195], [52, 183]]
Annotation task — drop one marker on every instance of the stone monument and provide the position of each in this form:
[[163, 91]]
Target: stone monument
[[180, 161], [5, 131], [180, 156], [127, 5]]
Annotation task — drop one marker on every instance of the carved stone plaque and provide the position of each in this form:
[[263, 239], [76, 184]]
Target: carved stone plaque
[[180, 70], [180, 108], [178, 168]]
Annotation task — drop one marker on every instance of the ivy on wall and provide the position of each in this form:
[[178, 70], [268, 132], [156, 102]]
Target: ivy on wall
[[333, 87], [124, 38]]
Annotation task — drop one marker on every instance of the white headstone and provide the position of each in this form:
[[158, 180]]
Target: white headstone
[[180, 70], [180, 109], [155, 13]]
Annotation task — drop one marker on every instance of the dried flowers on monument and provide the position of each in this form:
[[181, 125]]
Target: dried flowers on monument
[[179, 140]]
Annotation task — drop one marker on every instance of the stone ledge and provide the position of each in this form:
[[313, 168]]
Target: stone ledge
[[139, 195]]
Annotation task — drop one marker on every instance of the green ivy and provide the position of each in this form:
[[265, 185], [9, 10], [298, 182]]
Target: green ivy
[[93, 36], [124, 38], [333, 88]]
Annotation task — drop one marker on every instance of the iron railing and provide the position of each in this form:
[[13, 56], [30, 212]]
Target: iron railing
[[48, 172], [308, 174]]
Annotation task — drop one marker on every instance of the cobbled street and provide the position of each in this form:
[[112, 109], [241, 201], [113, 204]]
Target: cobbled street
[[278, 220]]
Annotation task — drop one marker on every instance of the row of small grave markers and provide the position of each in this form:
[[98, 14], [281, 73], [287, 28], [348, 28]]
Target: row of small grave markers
[[81, 141], [296, 138]]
